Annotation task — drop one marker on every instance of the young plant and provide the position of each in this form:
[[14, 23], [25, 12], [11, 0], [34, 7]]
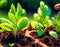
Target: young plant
[[56, 21], [17, 19], [38, 27], [43, 15]]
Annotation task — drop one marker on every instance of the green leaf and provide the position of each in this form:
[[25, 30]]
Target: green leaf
[[36, 25], [40, 32], [11, 17], [5, 28], [54, 20], [46, 11], [58, 16], [22, 23], [40, 11], [6, 20], [58, 22], [18, 14], [7, 25], [11, 45], [53, 34], [1, 30], [43, 10], [42, 4], [23, 12], [57, 28], [19, 7], [46, 19], [48, 23], [36, 17], [12, 10]]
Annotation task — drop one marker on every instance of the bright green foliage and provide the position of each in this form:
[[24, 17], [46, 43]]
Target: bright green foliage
[[43, 10], [48, 23], [36, 25], [56, 22], [15, 23], [11, 45], [40, 32], [39, 27], [12, 10], [22, 23], [57, 28], [36, 17], [20, 12], [58, 16], [1, 30], [53, 34], [11, 17], [43, 14]]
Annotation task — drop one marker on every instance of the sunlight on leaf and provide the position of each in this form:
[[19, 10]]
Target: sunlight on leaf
[[12, 10], [11, 17], [19, 7], [53, 34], [7, 25], [22, 23], [5, 28], [36, 17], [36, 25], [7, 21], [48, 23]]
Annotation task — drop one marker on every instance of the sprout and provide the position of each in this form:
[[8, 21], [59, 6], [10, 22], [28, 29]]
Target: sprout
[[36, 25], [15, 22], [56, 21], [43, 14]]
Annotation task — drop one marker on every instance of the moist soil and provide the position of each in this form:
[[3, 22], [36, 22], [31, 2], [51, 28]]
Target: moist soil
[[29, 38]]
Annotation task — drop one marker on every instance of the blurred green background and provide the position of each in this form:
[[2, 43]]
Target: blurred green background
[[31, 6]]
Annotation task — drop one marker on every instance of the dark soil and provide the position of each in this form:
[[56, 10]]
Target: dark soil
[[29, 38]]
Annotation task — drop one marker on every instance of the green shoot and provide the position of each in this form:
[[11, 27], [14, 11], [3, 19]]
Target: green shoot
[[56, 21], [43, 14], [17, 19]]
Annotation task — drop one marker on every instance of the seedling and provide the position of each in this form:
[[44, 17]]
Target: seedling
[[11, 45], [17, 19], [56, 21], [39, 27], [43, 15]]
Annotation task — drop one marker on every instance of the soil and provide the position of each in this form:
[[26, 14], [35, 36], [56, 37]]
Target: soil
[[29, 38]]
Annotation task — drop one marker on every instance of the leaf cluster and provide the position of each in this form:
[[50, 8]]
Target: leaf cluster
[[17, 19]]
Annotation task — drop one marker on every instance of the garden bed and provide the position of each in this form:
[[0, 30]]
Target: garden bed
[[29, 38], [19, 31]]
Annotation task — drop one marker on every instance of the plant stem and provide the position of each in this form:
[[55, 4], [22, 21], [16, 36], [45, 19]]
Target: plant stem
[[15, 29]]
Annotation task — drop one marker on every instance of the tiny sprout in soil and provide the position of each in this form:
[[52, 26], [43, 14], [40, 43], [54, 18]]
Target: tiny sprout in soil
[[17, 19], [43, 31]]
